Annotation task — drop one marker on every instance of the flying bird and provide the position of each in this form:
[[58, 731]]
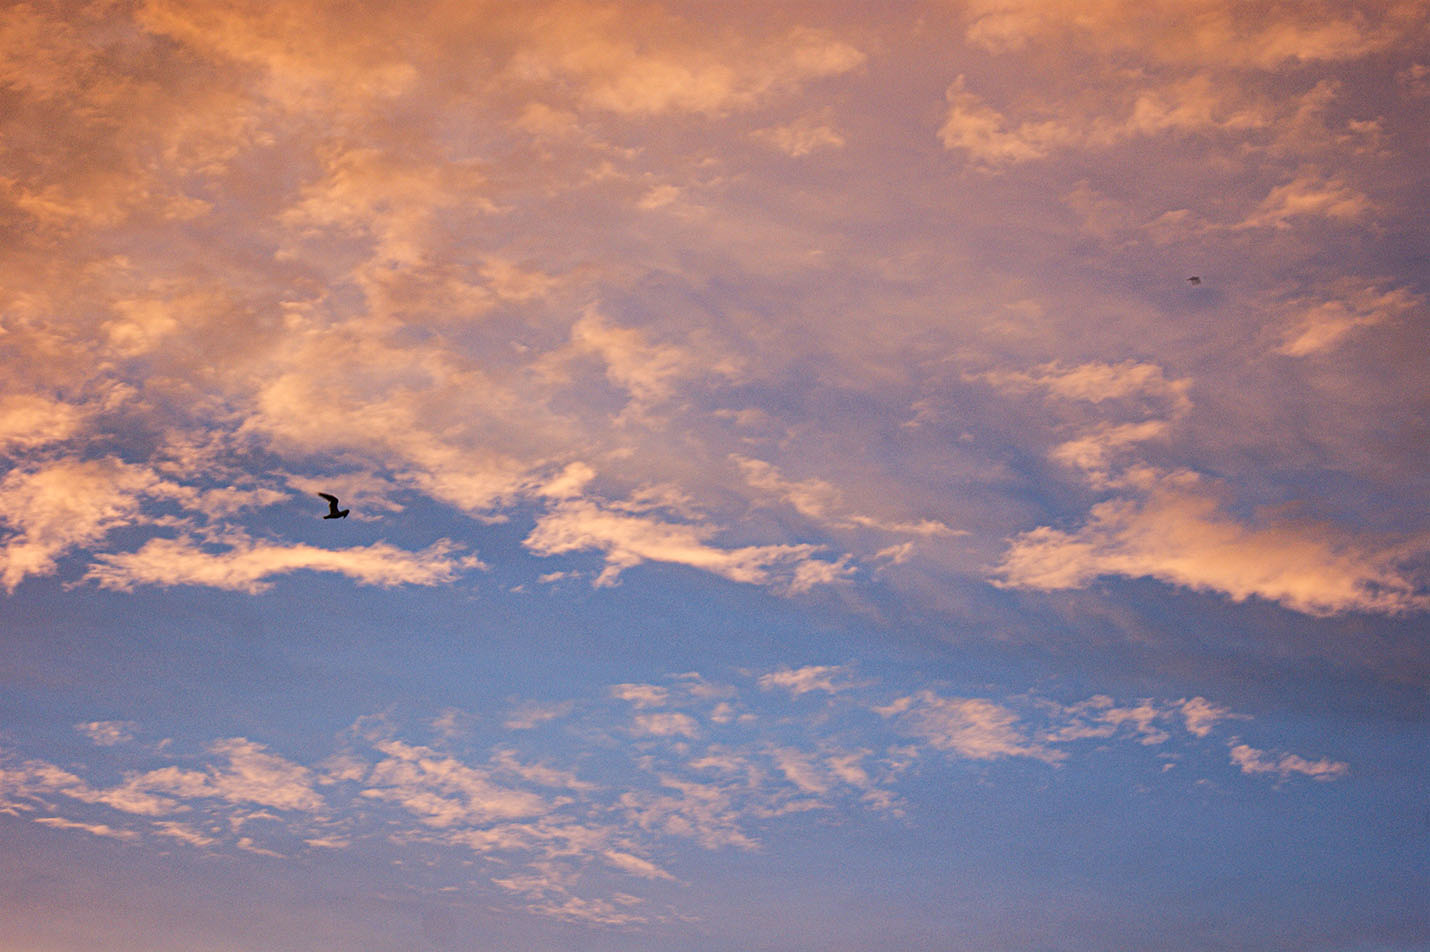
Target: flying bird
[[1195, 279], [333, 511]]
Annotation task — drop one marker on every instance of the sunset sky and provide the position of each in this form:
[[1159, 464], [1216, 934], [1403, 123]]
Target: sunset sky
[[824, 476]]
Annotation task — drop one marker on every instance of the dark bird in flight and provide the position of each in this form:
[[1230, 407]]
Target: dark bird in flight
[[333, 511], [1195, 279]]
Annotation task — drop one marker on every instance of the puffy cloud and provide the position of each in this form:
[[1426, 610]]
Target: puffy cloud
[[31, 420], [246, 565], [1178, 533]]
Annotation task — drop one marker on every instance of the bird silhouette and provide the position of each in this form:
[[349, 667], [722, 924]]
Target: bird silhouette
[[333, 511], [1194, 279]]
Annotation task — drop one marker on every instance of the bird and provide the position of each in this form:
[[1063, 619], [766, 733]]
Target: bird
[[333, 511], [1195, 279]]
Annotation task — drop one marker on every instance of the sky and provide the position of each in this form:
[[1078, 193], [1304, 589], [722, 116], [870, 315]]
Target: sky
[[822, 476]]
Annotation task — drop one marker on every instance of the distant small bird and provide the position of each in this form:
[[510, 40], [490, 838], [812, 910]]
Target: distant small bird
[[1195, 279], [333, 511]]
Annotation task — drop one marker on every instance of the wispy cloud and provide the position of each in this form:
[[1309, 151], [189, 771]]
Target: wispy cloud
[[246, 565]]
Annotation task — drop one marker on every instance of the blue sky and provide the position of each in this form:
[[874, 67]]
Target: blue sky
[[799, 499]]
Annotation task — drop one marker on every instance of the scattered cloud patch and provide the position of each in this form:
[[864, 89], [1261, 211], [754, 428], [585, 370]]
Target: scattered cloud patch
[[1284, 766]]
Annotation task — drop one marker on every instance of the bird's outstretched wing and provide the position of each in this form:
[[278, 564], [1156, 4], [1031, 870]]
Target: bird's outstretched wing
[[332, 506], [332, 500]]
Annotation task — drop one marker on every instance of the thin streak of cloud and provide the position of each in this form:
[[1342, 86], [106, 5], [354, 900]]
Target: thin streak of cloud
[[247, 565]]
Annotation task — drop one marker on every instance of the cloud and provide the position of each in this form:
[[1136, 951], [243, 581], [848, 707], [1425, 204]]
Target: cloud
[[641, 695], [822, 501], [183, 833], [989, 138], [95, 829], [805, 135], [531, 713], [55, 507], [808, 678], [1097, 382], [1177, 533], [1194, 104], [1202, 715], [523, 816], [665, 724], [108, 733], [30, 420], [246, 564], [1310, 195], [976, 728], [626, 540], [648, 63], [635, 865], [1284, 766], [1321, 326], [252, 775], [442, 791], [1193, 31]]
